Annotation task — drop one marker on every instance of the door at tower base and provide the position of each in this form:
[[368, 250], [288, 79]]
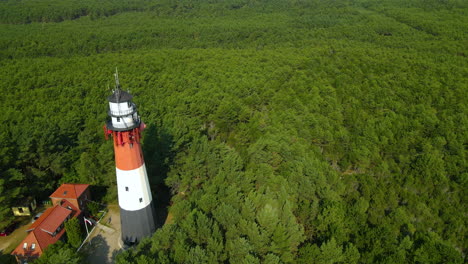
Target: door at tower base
[[137, 224]]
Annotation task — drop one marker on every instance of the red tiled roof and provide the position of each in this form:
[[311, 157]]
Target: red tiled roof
[[69, 205], [48, 223], [45, 239], [68, 190], [41, 219], [28, 251], [40, 238], [55, 219]]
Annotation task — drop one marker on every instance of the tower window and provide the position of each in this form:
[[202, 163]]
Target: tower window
[[33, 246], [118, 119], [25, 245], [126, 188], [141, 200]]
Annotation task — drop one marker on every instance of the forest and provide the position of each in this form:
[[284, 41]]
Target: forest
[[282, 131]]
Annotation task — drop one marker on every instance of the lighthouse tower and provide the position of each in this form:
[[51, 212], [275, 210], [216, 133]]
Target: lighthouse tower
[[137, 215]]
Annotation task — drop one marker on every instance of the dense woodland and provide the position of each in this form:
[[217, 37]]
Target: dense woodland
[[286, 131]]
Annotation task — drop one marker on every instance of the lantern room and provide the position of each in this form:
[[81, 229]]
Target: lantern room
[[123, 112]]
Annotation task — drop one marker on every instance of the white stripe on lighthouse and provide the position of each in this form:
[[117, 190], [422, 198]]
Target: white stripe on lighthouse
[[133, 189]]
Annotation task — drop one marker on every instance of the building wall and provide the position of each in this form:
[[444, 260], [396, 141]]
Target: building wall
[[23, 259], [83, 200]]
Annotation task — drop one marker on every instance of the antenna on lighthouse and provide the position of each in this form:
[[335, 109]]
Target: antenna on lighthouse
[[116, 75], [117, 84]]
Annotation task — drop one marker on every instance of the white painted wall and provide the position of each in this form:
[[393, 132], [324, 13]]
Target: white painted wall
[[127, 121], [138, 187], [122, 109]]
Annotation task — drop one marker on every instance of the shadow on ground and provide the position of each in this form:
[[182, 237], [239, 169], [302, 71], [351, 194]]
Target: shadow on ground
[[97, 250]]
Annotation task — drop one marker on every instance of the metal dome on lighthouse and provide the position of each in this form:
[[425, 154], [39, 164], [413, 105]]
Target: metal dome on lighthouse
[[137, 215]]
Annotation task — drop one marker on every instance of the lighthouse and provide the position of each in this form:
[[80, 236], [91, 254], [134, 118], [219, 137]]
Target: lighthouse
[[137, 215]]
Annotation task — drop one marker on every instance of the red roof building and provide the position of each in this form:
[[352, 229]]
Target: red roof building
[[49, 227], [77, 194]]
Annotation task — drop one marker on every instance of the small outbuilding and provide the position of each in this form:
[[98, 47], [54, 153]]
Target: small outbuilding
[[25, 207]]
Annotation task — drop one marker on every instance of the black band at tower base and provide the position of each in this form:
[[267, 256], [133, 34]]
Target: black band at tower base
[[138, 224]]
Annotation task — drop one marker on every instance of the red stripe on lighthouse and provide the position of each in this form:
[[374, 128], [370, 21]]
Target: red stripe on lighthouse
[[127, 148]]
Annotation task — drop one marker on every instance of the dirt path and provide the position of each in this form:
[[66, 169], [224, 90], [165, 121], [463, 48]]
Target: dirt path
[[8, 243], [103, 244]]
